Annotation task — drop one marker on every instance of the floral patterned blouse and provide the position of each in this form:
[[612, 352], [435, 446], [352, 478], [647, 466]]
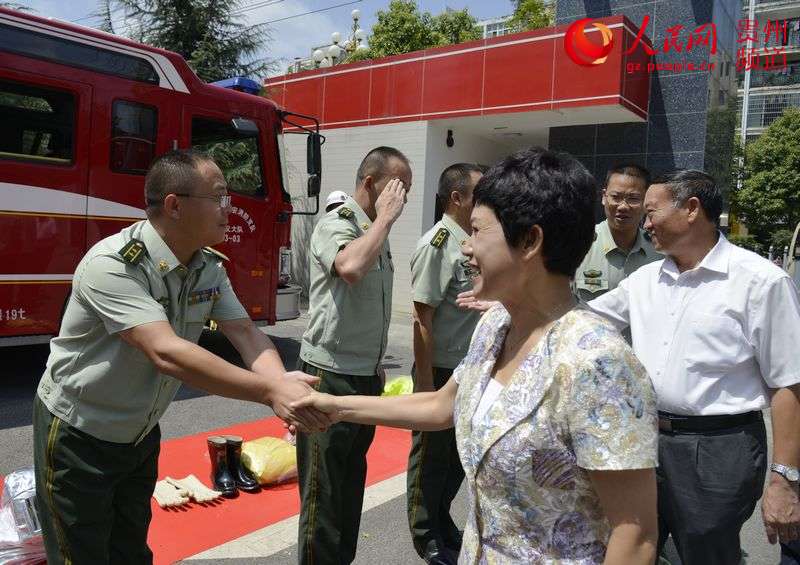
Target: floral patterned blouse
[[580, 400]]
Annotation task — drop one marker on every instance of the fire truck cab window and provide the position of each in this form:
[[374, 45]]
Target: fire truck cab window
[[133, 137], [36, 124], [238, 157]]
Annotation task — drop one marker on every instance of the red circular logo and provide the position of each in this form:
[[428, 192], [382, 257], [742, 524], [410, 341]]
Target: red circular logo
[[583, 51]]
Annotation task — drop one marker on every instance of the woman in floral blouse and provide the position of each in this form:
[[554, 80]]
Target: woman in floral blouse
[[555, 418]]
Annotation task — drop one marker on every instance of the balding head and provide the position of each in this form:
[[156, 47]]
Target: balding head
[[380, 163]]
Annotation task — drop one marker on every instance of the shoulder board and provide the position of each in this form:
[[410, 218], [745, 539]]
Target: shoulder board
[[133, 251], [345, 213], [440, 237], [216, 253]]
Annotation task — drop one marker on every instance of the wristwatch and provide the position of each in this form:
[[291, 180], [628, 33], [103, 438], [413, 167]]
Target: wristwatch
[[791, 474]]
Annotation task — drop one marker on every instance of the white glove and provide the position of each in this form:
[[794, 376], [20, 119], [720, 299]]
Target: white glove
[[195, 489], [167, 495]]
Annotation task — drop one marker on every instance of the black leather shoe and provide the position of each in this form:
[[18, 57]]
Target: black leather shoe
[[435, 554]]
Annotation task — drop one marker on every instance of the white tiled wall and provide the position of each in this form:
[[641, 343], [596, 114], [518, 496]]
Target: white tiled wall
[[341, 154], [423, 143]]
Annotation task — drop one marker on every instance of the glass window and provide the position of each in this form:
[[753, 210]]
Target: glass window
[[74, 54], [238, 157], [36, 124], [133, 137]]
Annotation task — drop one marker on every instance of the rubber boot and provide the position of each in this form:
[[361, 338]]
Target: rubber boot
[[221, 477], [241, 475]]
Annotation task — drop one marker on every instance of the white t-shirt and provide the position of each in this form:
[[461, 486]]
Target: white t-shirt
[[490, 394], [715, 338]]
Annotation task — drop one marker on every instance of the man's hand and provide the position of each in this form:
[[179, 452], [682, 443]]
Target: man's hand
[[291, 387], [780, 510], [467, 301], [321, 402], [391, 201]]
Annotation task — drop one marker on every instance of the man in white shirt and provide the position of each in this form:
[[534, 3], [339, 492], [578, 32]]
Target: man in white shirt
[[716, 327]]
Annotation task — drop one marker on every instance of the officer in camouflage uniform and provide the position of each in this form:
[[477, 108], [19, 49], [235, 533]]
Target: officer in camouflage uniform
[[350, 304], [442, 333], [620, 245], [139, 301]]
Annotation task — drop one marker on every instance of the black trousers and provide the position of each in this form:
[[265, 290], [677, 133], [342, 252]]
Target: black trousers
[[434, 477], [332, 471], [92, 496], [708, 486]]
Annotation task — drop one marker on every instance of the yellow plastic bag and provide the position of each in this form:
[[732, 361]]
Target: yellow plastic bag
[[398, 386], [270, 459]]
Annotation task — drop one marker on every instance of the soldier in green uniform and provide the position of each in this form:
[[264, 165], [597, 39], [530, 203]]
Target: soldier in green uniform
[[350, 304], [128, 339], [442, 333], [620, 246]]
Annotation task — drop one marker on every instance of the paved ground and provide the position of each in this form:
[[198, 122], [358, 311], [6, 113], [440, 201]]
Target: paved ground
[[384, 534]]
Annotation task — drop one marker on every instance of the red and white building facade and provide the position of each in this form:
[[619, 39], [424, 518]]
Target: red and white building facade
[[495, 95]]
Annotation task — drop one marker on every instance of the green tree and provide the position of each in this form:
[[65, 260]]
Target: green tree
[[207, 33], [747, 242], [455, 26], [531, 14], [402, 28], [722, 148], [780, 238], [769, 197]]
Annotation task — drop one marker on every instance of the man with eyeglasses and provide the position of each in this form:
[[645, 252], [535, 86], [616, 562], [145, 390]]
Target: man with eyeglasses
[[620, 246], [128, 338]]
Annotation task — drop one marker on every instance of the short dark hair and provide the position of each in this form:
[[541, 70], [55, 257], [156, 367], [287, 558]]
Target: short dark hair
[[631, 170], [552, 190], [376, 162], [688, 183], [172, 172], [455, 177]]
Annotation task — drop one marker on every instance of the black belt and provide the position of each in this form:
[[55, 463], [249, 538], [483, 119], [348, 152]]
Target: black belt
[[675, 423]]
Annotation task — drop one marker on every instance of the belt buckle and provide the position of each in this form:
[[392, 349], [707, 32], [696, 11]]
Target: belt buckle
[[664, 424]]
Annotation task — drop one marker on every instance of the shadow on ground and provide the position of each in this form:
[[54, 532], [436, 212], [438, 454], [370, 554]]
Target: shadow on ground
[[23, 367]]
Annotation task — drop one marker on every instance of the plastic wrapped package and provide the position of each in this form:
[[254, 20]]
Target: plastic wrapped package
[[270, 459], [398, 386], [20, 529]]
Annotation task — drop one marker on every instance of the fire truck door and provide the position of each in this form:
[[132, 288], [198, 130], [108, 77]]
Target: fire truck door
[[237, 146]]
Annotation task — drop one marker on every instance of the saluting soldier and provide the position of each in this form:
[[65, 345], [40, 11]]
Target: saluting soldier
[[620, 245], [442, 333], [350, 304], [128, 339]]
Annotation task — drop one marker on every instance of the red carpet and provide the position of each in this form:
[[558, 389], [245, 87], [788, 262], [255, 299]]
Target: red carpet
[[179, 533]]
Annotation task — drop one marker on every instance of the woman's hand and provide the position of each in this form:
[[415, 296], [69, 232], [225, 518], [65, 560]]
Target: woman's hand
[[321, 402], [467, 301]]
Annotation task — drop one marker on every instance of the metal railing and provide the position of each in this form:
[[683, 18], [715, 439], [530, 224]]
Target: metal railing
[[774, 77], [763, 109]]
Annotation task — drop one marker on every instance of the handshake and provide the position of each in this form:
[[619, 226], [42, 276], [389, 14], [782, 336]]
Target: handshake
[[302, 408]]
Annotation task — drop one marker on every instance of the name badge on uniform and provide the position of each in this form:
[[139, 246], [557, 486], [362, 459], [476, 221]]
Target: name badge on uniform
[[199, 296]]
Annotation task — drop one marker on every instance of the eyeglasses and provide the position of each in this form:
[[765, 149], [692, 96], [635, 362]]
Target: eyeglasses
[[224, 200], [633, 200]]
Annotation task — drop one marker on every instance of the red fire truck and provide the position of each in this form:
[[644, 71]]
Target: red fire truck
[[82, 115]]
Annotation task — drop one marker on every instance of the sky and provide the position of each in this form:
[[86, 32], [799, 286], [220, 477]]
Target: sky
[[293, 36]]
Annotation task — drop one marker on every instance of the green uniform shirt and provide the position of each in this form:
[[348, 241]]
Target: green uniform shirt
[[94, 380], [606, 265], [437, 277], [349, 325]]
